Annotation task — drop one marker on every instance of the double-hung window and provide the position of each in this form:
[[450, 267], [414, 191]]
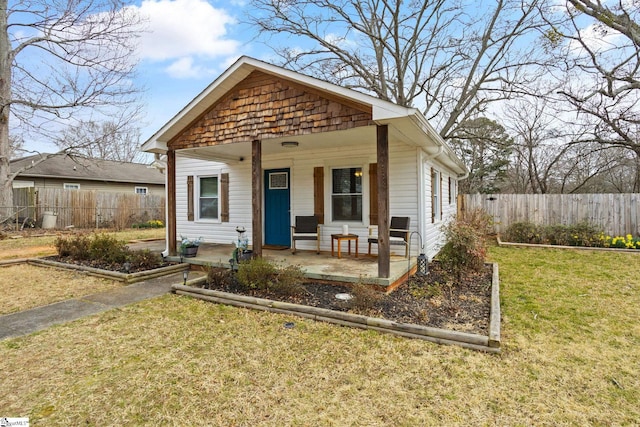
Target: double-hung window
[[436, 196], [208, 199], [346, 194]]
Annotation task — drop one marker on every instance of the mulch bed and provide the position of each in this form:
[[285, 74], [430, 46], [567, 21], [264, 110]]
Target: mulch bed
[[433, 300], [116, 266]]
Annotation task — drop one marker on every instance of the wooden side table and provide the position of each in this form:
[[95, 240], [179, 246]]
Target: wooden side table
[[340, 238]]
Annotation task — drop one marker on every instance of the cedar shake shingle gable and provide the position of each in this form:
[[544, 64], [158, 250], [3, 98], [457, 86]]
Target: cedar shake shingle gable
[[268, 106], [67, 167]]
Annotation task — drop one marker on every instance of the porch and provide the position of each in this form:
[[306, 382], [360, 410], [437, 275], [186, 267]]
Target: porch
[[322, 267]]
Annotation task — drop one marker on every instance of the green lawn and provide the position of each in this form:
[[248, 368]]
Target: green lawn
[[571, 346]]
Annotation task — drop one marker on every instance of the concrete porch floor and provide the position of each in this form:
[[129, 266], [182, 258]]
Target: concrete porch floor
[[347, 269]]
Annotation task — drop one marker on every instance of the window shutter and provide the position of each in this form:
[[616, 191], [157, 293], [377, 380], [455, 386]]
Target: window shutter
[[433, 188], [190, 198], [318, 193], [450, 192], [224, 197], [373, 194]]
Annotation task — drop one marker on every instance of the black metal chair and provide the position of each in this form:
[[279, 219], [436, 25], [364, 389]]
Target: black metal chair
[[398, 233], [306, 228]]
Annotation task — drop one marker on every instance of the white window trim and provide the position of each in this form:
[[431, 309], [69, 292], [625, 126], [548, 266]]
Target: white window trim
[[436, 190], [364, 194], [286, 174], [146, 190], [197, 201], [71, 186]]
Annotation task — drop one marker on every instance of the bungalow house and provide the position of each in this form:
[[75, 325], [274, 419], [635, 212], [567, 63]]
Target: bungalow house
[[262, 145]]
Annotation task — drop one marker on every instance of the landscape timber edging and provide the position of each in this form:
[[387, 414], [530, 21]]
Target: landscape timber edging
[[127, 278], [489, 344]]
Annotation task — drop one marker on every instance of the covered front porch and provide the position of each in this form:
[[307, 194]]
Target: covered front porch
[[320, 267]]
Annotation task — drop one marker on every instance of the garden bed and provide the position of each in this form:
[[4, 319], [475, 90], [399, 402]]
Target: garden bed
[[543, 245], [109, 271], [466, 314]]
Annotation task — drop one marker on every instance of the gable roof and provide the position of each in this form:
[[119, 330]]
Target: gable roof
[[76, 167], [412, 123]]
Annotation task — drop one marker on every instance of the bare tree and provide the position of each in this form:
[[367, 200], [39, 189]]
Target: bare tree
[[550, 155], [59, 59], [115, 139], [450, 57], [602, 62]]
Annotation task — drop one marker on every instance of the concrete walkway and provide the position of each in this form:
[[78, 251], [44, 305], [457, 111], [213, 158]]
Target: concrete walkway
[[36, 319]]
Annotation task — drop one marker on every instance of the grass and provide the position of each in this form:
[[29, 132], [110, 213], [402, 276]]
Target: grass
[[45, 286], [26, 247], [570, 357]]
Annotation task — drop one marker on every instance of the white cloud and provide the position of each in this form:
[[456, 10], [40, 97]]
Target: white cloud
[[597, 37], [185, 32]]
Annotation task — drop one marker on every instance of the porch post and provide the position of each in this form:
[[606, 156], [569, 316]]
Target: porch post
[[171, 202], [384, 250], [256, 196]]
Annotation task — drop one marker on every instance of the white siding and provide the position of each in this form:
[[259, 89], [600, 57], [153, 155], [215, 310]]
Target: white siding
[[409, 188], [239, 200], [433, 229]]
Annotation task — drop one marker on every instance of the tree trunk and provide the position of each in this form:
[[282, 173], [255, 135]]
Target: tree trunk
[[6, 192]]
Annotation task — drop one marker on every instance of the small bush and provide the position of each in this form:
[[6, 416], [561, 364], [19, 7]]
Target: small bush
[[288, 281], [257, 273], [219, 278], [76, 247], [480, 220], [152, 223], [108, 249], [144, 259], [523, 232], [365, 298], [465, 248], [580, 234]]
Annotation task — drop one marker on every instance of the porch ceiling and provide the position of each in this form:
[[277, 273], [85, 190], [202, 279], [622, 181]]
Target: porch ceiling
[[230, 153]]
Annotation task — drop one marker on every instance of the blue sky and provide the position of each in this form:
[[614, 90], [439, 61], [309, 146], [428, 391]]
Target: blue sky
[[188, 43]]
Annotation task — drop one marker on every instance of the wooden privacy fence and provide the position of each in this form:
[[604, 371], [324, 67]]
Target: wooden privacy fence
[[86, 209], [616, 214]]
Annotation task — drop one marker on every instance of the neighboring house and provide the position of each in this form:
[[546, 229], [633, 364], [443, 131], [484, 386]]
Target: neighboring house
[[263, 144], [80, 173]]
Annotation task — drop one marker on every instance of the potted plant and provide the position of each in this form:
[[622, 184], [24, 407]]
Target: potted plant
[[189, 247]]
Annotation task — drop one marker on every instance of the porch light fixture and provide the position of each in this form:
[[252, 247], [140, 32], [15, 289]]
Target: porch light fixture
[[289, 144]]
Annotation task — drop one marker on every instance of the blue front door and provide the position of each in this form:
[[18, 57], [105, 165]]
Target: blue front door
[[277, 199]]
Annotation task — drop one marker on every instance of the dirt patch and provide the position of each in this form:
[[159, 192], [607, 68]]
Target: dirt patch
[[433, 300]]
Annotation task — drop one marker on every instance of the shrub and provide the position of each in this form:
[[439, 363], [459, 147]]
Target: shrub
[[288, 281], [108, 249], [219, 278], [465, 248], [256, 273], [365, 297], [152, 223], [480, 220], [144, 259], [76, 247], [523, 232]]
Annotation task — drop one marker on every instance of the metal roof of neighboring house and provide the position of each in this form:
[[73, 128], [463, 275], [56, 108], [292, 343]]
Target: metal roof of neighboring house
[[76, 167]]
